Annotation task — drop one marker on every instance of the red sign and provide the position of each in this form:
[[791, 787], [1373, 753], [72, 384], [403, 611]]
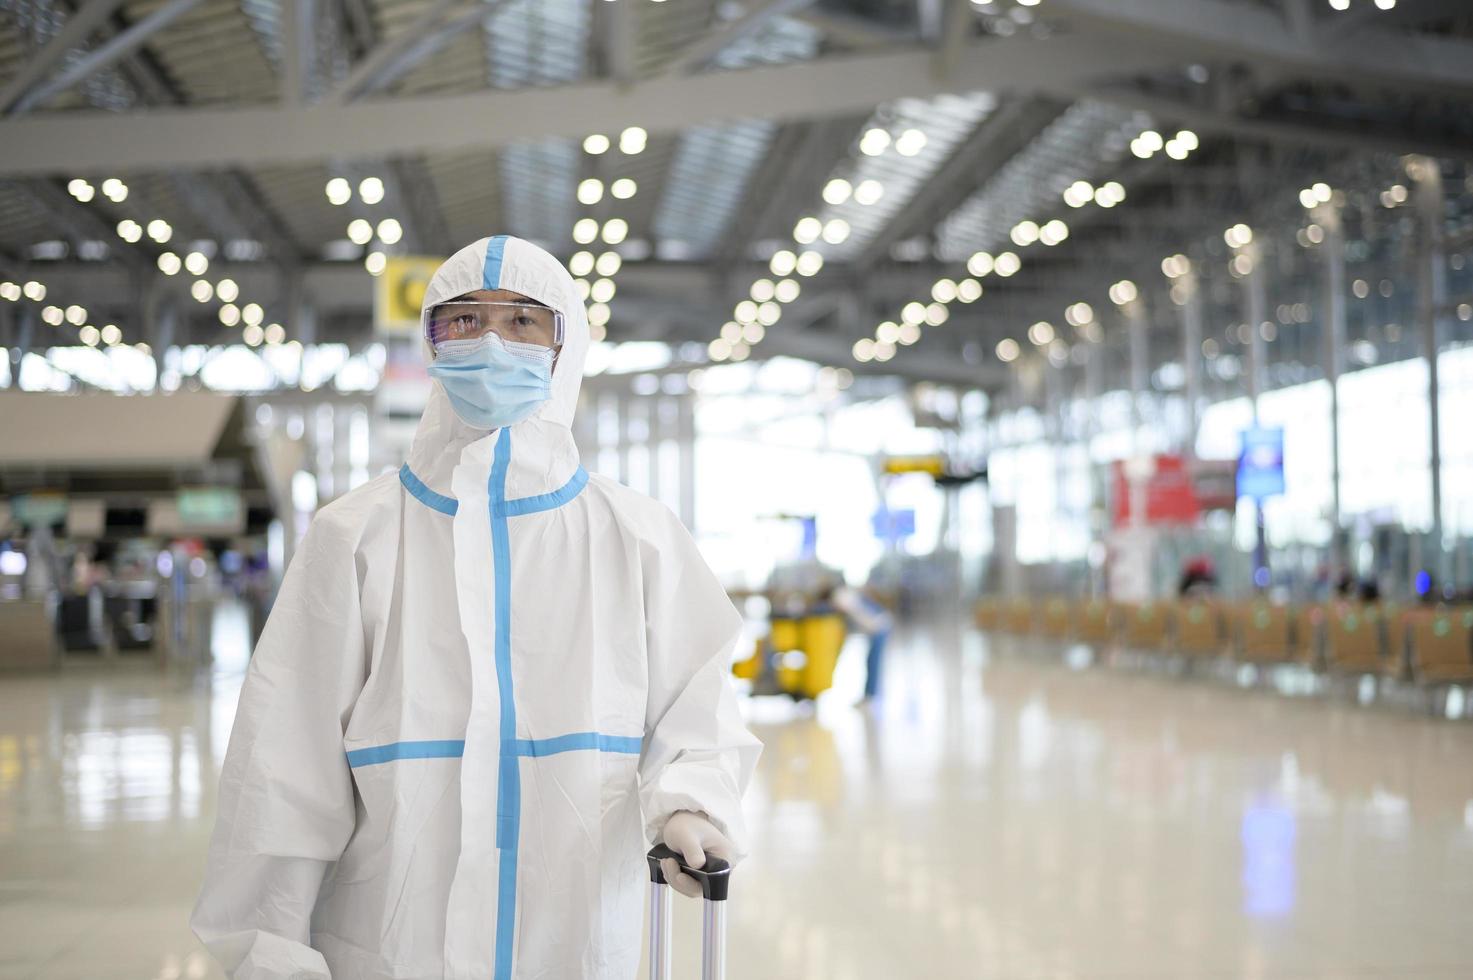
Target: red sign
[[1169, 494]]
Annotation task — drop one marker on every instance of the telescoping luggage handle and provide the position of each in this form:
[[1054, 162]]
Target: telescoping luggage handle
[[714, 879]]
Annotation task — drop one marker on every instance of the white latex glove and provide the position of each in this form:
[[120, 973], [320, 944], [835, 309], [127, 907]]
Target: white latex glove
[[693, 836]]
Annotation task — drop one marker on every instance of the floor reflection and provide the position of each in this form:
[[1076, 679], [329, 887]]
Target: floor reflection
[[1000, 812]]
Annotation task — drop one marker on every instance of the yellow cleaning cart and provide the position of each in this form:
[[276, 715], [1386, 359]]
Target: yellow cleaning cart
[[797, 656]]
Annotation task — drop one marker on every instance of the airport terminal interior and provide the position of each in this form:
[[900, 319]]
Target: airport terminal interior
[[1074, 398]]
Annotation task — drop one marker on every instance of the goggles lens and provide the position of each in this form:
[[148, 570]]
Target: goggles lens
[[519, 323]]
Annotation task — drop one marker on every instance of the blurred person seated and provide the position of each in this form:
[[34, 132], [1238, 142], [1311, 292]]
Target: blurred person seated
[[1198, 578]]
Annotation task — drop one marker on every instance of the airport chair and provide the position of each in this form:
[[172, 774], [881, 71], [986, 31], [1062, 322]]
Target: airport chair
[[29, 640], [1145, 625], [1440, 644], [989, 614], [1199, 628], [1019, 616], [1092, 621], [1354, 643], [1266, 633], [1055, 619]]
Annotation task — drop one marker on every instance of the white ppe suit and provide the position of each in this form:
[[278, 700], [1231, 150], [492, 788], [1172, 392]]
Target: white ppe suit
[[487, 683]]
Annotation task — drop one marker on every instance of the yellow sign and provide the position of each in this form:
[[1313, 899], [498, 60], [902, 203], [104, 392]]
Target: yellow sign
[[400, 291], [934, 465]]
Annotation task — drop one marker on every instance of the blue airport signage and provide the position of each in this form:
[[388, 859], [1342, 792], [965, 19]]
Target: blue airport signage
[[1261, 463], [894, 524]]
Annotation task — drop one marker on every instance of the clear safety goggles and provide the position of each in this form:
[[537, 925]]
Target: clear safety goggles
[[519, 323]]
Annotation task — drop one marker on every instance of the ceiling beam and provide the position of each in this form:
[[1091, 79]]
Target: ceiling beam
[[851, 29], [1208, 29], [956, 30], [79, 223], [1411, 14], [788, 181], [408, 182], [1318, 132], [621, 30], [78, 27], [119, 46], [981, 155], [83, 141], [394, 56], [753, 19], [297, 36]]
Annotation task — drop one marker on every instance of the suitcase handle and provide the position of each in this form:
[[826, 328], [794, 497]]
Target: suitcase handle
[[715, 877]]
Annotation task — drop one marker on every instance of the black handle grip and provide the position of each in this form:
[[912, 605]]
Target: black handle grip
[[715, 877]]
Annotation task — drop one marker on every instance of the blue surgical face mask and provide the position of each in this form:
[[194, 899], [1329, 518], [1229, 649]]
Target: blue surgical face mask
[[491, 382]]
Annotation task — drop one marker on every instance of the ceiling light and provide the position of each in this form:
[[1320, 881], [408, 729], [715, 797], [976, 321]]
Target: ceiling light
[[371, 190], [874, 142], [585, 230], [590, 191], [807, 230], [633, 140], [837, 191], [390, 231], [868, 192], [339, 191], [615, 230]]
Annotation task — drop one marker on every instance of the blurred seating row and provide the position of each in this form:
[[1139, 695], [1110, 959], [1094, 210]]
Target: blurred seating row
[[1428, 644]]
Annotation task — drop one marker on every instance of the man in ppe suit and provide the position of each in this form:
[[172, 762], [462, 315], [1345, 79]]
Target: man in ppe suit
[[489, 681]]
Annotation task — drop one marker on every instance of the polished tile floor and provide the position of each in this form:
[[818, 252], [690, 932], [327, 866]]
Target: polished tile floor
[[998, 814]]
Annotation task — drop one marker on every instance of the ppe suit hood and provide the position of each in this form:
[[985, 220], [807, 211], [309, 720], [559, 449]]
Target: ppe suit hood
[[546, 456]]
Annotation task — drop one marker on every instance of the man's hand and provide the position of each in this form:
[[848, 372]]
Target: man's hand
[[694, 837]]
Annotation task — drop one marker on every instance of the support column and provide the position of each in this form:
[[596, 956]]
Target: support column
[[686, 436], [1330, 219], [1192, 318], [1094, 389], [1255, 294], [1426, 175], [1136, 324]]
